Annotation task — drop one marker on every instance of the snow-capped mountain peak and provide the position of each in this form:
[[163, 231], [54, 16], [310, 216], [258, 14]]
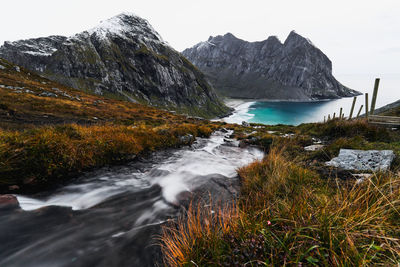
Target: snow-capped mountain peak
[[126, 25]]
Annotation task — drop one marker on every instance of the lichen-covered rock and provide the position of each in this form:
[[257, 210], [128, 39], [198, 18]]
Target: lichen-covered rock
[[123, 56], [360, 160], [293, 70]]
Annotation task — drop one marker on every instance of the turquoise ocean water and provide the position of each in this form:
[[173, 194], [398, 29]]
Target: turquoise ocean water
[[295, 113]]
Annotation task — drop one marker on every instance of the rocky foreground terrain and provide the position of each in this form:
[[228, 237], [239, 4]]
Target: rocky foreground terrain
[[269, 69], [122, 57]]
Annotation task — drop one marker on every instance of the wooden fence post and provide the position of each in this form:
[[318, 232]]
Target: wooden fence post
[[374, 96], [334, 115], [352, 107], [329, 117], [366, 106], [340, 113], [324, 119], [359, 112]]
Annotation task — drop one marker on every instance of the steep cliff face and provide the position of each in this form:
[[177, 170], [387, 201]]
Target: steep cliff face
[[293, 70], [122, 56]]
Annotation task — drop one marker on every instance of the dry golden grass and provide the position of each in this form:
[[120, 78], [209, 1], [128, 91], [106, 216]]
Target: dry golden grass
[[25, 104], [47, 155], [287, 215], [200, 223]]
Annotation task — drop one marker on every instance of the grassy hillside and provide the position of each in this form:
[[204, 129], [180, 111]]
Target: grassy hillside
[[50, 133]]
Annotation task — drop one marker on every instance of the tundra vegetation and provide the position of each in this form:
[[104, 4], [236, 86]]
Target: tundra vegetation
[[292, 209], [295, 211]]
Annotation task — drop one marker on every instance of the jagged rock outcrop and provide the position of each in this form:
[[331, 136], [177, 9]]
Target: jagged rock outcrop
[[123, 56], [293, 70]]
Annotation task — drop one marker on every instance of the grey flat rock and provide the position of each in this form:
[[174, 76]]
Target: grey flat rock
[[313, 147], [363, 160]]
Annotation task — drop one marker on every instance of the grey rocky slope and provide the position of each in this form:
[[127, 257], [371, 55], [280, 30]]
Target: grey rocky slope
[[122, 56], [293, 70]]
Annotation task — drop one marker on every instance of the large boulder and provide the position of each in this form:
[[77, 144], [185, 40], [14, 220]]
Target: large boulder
[[361, 160]]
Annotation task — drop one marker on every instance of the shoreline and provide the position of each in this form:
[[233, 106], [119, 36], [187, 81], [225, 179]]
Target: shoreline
[[242, 106], [244, 100]]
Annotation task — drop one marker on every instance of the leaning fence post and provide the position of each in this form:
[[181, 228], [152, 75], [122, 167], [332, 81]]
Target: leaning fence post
[[334, 115], [359, 112], [374, 96], [366, 106], [352, 107]]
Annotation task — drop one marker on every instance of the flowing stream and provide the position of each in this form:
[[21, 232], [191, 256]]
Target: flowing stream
[[112, 216]]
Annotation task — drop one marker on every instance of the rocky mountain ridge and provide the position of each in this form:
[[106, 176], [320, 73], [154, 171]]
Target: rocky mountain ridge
[[124, 57], [269, 69]]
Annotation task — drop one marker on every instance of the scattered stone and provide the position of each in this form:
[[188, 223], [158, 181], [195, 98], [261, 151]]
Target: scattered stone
[[316, 141], [187, 139], [245, 124], [8, 202], [313, 147], [271, 132], [360, 160], [48, 94], [289, 135], [17, 69], [95, 118], [361, 177], [2, 67], [17, 88]]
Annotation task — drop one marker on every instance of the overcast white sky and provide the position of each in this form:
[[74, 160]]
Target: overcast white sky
[[359, 36]]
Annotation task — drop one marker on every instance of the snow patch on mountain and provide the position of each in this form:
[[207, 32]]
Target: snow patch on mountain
[[126, 25]]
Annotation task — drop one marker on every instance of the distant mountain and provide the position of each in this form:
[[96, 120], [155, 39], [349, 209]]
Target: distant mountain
[[124, 57], [293, 70]]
